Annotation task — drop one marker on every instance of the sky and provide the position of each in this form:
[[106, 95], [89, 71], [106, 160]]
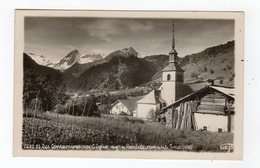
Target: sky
[[55, 37]]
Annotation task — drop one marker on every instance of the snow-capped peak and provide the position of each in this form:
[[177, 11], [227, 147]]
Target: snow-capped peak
[[86, 58], [73, 57], [41, 60], [68, 60]]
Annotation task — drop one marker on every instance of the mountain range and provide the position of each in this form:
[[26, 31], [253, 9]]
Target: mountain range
[[73, 57], [124, 69]]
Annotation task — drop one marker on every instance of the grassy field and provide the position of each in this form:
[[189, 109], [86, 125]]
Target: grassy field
[[51, 129]]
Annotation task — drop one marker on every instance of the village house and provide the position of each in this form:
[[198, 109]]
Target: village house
[[188, 106], [125, 106]]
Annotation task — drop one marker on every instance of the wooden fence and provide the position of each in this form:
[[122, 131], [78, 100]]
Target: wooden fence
[[182, 117]]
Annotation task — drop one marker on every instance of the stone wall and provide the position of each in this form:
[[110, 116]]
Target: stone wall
[[169, 118]]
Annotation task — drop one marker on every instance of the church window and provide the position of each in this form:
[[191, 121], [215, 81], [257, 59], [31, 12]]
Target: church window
[[168, 77]]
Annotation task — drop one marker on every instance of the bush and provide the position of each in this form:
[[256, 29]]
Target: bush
[[194, 75], [82, 106], [151, 116], [104, 108], [33, 108], [211, 71], [46, 86], [229, 67], [132, 120], [123, 113], [61, 109], [205, 69]]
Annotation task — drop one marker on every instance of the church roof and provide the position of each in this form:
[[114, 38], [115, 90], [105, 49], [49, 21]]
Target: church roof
[[130, 103], [150, 98], [196, 86], [173, 67]]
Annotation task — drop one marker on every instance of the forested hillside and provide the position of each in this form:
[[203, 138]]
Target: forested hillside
[[212, 63], [43, 83]]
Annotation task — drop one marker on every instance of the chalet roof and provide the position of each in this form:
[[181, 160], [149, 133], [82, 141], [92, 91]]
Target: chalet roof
[[150, 98], [173, 66], [229, 92], [225, 90], [130, 103], [196, 86]]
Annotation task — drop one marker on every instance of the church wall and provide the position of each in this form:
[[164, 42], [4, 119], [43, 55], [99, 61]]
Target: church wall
[[180, 90], [168, 92], [144, 109], [172, 73], [179, 77], [172, 89]]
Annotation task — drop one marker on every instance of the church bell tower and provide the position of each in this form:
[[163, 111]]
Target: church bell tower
[[172, 76]]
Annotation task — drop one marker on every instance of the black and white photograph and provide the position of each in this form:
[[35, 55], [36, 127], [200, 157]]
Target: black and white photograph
[[129, 84]]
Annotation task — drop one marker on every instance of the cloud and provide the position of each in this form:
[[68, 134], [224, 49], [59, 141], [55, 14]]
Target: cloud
[[110, 29], [58, 36], [102, 29]]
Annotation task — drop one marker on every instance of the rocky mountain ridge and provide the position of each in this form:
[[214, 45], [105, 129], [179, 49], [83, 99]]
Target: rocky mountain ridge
[[124, 69]]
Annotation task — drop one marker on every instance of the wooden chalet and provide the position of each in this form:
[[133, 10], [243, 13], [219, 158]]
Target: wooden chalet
[[210, 108]]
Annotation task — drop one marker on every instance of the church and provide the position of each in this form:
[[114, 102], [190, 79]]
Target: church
[[197, 106], [172, 87]]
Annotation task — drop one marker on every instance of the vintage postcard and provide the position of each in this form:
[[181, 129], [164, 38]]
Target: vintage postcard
[[129, 84]]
